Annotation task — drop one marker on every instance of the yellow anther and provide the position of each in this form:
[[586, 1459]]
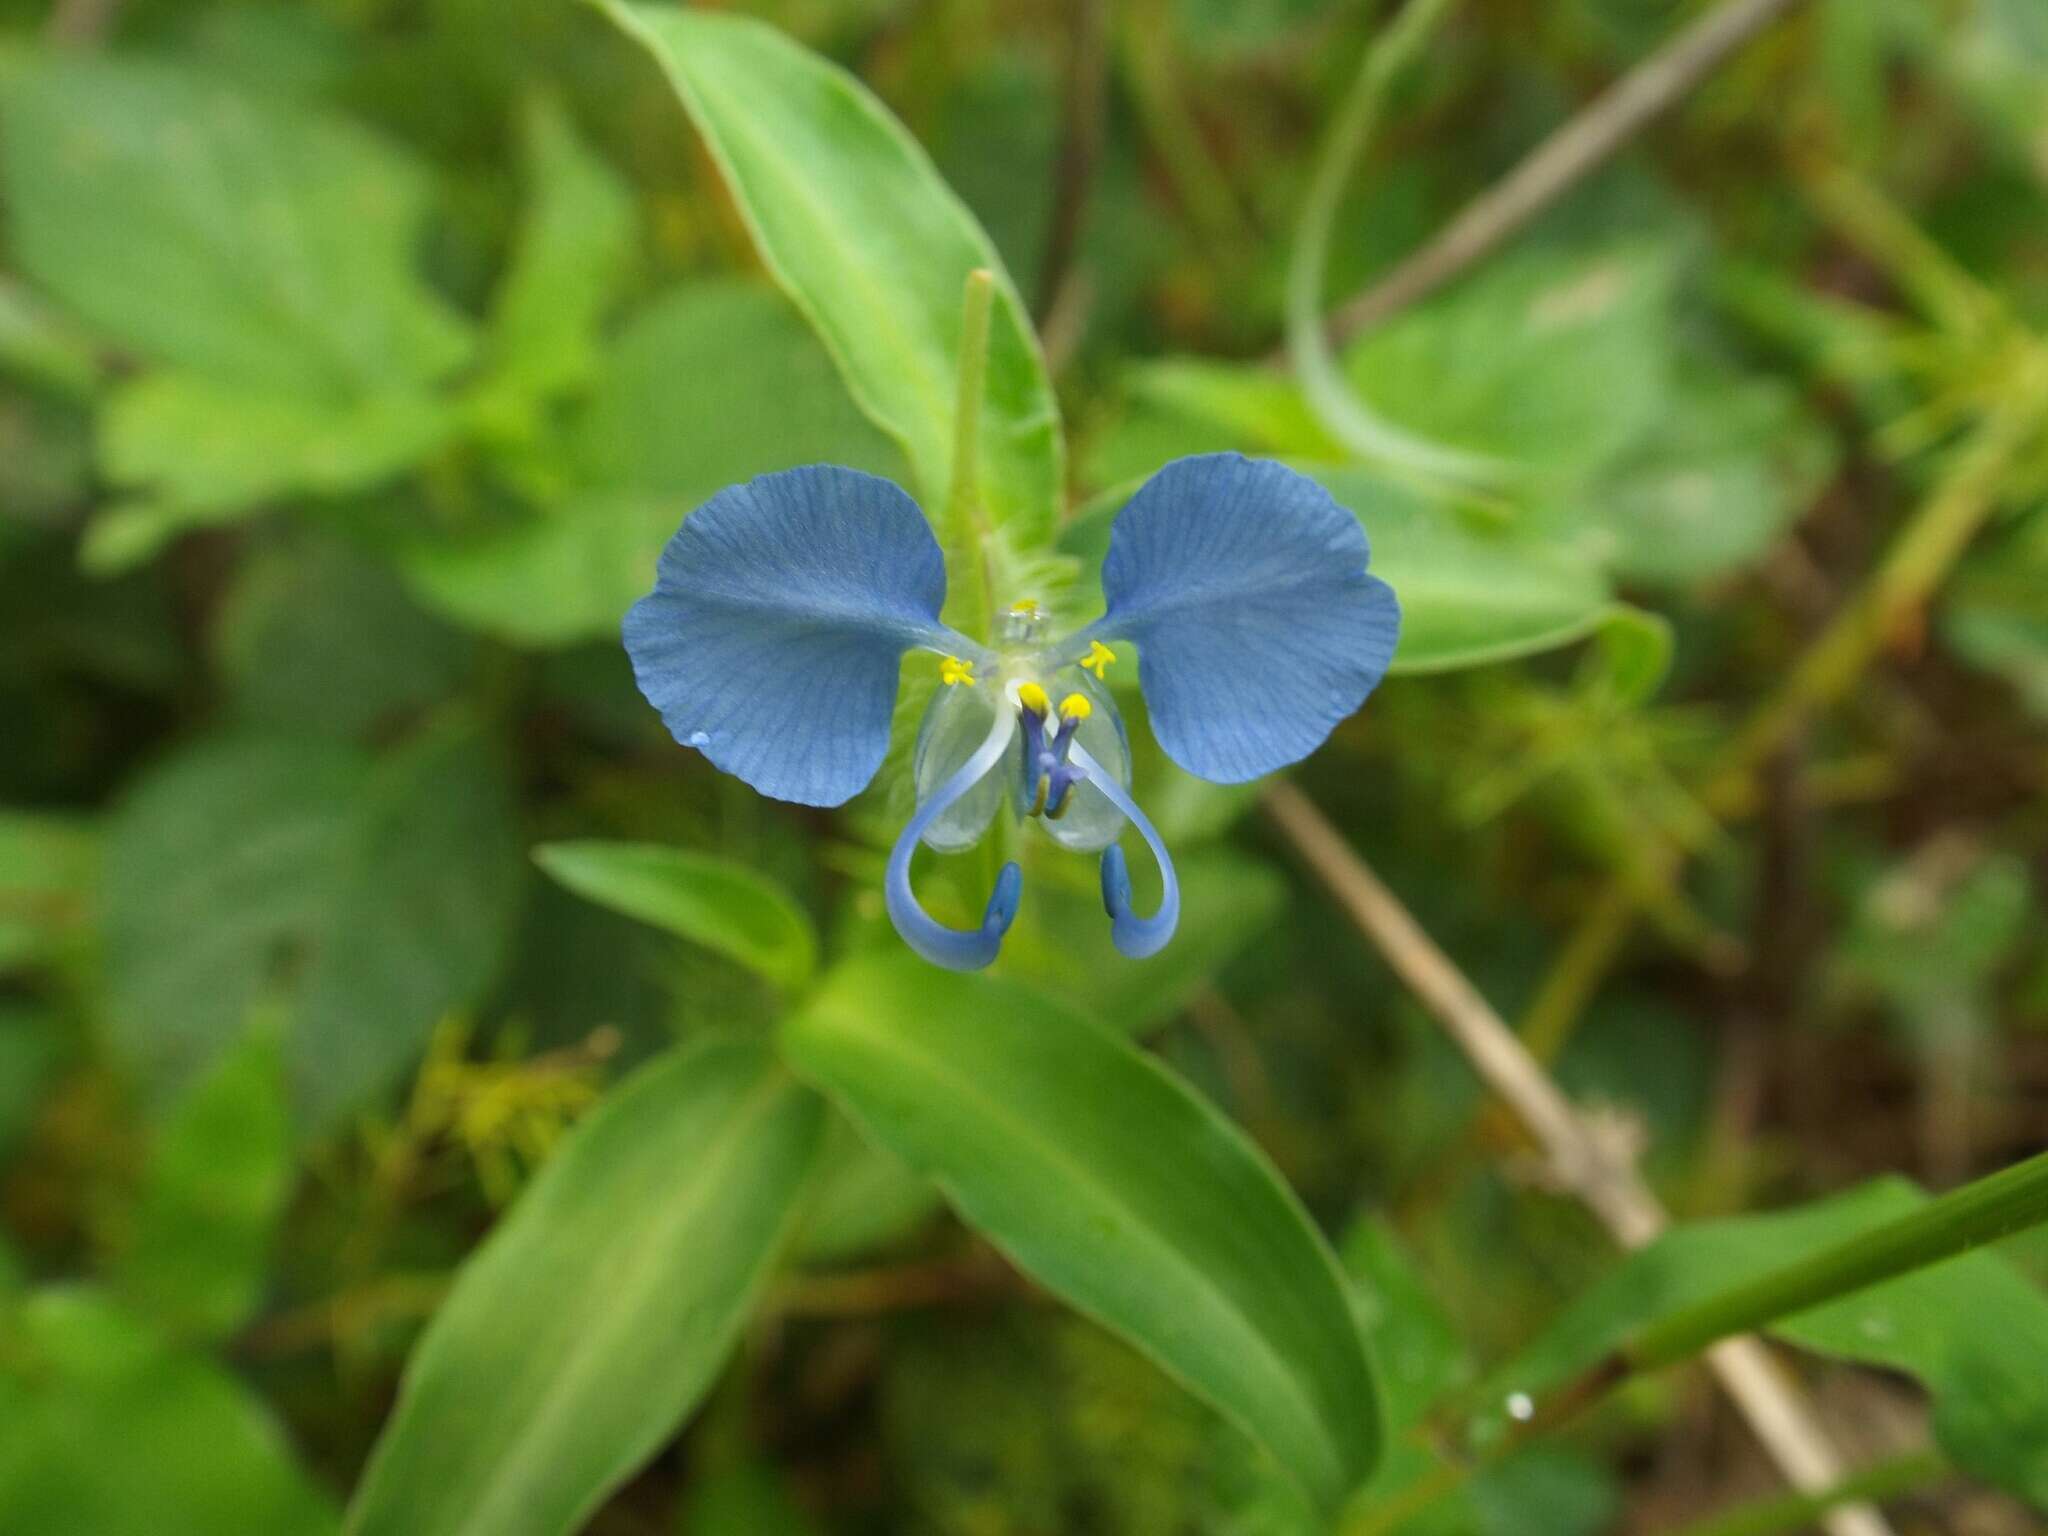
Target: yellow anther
[[1025, 605], [953, 670], [1075, 707], [1098, 658], [1033, 698]]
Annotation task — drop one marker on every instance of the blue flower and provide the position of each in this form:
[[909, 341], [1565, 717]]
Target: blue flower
[[773, 638]]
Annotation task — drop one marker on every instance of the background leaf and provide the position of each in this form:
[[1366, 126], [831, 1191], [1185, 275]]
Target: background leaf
[[713, 383], [1474, 588], [1971, 1329], [372, 896], [212, 1194], [48, 867], [110, 1429], [1550, 359], [708, 900], [568, 265], [1113, 1185], [260, 246], [597, 1314], [873, 247]]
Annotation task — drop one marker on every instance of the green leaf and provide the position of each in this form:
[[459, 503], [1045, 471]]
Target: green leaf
[[424, 895], [1972, 1329], [1115, 1186], [48, 866], [110, 1429], [1728, 469], [1061, 943], [38, 347], [860, 231], [1629, 659], [371, 895], [1550, 359], [598, 1313], [1471, 591], [710, 385], [575, 243], [216, 451], [212, 1193], [1177, 406], [257, 246], [315, 637], [708, 900]]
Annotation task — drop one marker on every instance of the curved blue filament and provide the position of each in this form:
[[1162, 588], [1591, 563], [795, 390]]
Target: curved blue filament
[[954, 948], [1137, 938]]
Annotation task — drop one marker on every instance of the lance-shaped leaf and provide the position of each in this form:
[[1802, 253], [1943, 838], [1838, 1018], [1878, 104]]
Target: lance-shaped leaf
[[1115, 1186], [719, 903], [858, 228], [595, 1317]]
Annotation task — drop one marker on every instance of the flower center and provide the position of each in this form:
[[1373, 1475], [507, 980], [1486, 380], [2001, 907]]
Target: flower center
[[1048, 775]]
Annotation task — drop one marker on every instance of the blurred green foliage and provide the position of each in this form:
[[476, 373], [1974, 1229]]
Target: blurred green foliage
[[358, 356]]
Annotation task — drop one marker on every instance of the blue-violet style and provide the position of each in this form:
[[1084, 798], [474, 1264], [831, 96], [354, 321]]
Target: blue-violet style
[[773, 639]]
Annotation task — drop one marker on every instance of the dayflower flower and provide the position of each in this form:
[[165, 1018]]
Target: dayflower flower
[[772, 643]]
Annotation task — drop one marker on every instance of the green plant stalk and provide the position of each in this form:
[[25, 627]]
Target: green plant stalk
[[1787, 1512], [1919, 560], [1329, 393], [1981, 1212], [1942, 287], [964, 531]]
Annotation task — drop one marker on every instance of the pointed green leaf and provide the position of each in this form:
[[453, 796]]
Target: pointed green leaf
[[109, 1429], [1114, 1185], [598, 1313], [222, 232], [213, 1191], [708, 900], [574, 244], [858, 228], [370, 896]]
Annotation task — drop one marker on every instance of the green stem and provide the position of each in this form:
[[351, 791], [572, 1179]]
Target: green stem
[[1981, 1212], [963, 528], [1784, 1512], [1329, 393]]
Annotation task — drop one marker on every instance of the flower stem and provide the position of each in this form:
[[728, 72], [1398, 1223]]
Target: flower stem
[[963, 530], [1330, 395]]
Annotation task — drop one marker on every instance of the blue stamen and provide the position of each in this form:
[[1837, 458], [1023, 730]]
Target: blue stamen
[[956, 949], [1135, 937]]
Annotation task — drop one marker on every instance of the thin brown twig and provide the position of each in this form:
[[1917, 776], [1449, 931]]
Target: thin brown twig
[[1580, 1160], [1561, 161]]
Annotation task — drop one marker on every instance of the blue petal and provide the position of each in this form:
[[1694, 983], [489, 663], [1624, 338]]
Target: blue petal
[[1243, 585], [772, 638], [1136, 938], [956, 949]]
